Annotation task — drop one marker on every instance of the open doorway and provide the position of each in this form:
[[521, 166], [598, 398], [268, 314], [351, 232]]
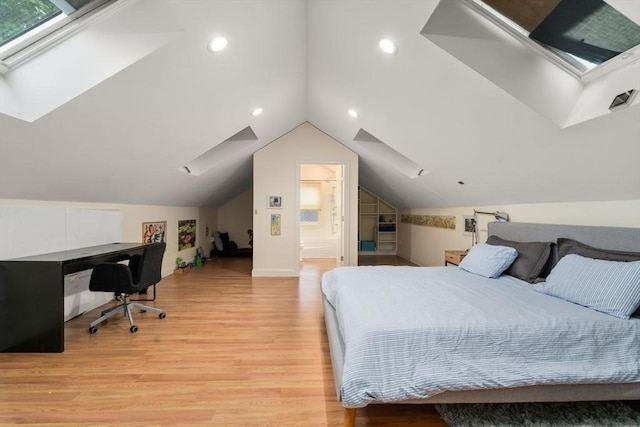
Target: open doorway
[[321, 214]]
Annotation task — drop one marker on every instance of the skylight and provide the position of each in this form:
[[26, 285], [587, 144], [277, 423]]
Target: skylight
[[20, 17], [220, 153], [580, 35], [25, 22], [392, 157]]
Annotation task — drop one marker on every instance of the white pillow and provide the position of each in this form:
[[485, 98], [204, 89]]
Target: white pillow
[[488, 260], [612, 287], [217, 241]]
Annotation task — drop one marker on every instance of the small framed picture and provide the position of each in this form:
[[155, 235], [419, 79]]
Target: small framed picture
[[153, 232], [276, 221], [274, 202], [469, 225]]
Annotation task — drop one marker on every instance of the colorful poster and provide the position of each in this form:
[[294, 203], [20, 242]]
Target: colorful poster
[[154, 232], [186, 234], [275, 224]]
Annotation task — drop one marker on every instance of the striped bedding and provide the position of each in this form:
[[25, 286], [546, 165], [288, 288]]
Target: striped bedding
[[414, 332]]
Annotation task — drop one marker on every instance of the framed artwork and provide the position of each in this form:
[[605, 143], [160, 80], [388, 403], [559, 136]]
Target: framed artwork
[[468, 225], [274, 202], [154, 232], [186, 234], [276, 224]]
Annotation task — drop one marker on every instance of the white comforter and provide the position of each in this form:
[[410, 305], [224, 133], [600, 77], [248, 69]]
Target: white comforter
[[413, 332]]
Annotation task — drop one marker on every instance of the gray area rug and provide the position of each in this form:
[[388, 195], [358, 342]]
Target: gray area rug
[[583, 414]]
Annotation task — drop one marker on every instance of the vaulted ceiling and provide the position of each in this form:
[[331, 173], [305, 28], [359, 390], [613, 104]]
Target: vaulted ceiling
[[113, 113]]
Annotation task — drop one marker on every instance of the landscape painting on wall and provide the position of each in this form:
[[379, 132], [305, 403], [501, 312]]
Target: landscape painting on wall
[[186, 234], [154, 232], [437, 221]]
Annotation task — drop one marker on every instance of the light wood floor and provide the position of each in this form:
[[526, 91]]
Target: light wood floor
[[233, 351]]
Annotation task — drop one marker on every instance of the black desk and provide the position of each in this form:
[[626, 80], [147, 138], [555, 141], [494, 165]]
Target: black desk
[[32, 294]]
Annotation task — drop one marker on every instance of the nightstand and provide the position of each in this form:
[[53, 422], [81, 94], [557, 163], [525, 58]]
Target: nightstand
[[453, 257]]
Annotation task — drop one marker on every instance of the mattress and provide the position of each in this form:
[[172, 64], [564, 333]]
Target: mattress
[[415, 332]]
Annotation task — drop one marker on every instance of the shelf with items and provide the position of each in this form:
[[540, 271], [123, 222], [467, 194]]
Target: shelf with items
[[377, 224]]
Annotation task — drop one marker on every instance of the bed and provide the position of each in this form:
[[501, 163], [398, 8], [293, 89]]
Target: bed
[[445, 335]]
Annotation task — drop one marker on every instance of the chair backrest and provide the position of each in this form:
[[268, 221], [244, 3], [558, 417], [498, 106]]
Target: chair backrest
[[150, 266]]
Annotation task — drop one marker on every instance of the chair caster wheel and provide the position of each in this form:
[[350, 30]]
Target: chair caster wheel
[[93, 330], [162, 315], [133, 329]]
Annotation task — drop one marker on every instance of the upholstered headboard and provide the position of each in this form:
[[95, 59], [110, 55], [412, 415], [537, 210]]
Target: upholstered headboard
[[615, 238]]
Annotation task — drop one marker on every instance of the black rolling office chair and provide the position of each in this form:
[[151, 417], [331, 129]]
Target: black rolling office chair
[[143, 271]]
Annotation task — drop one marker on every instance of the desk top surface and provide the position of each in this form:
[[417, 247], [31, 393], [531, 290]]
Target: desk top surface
[[81, 253]]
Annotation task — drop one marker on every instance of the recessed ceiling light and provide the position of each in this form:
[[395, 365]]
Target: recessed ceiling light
[[353, 113], [388, 47], [217, 44], [256, 111]]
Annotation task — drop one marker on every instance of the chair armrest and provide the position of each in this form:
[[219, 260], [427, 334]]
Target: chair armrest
[[111, 277]]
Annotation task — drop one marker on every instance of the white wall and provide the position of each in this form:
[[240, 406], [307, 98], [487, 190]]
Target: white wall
[[426, 245], [276, 172], [133, 217], [236, 217]]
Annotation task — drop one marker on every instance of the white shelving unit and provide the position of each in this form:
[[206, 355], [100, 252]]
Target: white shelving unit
[[377, 227]]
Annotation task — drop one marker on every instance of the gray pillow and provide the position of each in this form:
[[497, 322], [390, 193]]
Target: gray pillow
[[570, 246], [532, 257]]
